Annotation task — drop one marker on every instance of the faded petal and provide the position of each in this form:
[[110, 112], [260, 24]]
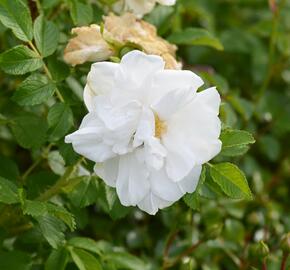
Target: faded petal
[[87, 46]]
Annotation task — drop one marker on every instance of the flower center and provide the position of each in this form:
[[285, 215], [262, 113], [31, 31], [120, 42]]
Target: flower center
[[160, 127]]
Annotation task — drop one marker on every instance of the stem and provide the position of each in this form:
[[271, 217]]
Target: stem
[[57, 187], [273, 40], [168, 264], [46, 70], [264, 265], [36, 163], [284, 261]]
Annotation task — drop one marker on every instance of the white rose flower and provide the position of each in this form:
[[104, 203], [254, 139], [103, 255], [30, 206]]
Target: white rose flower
[[147, 129], [140, 7]]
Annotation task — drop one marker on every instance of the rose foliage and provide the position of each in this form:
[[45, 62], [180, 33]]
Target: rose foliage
[[144, 134]]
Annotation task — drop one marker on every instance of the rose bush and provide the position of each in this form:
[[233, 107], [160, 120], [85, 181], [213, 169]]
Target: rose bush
[[144, 134]]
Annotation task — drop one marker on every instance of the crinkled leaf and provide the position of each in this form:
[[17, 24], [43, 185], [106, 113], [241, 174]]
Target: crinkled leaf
[[15, 15], [46, 36], [52, 229], [19, 60], [34, 90]]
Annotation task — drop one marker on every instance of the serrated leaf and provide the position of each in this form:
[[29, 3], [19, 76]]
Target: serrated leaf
[[60, 120], [29, 130], [81, 13], [87, 244], [192, 199], [46, 36], [125, 260], [57, 260], [19, 60], [16, 16], [34, 90], [8, 192], [52, 229], [195, 36], [235, 142], [231, 180], [37, 209], [84, 260]]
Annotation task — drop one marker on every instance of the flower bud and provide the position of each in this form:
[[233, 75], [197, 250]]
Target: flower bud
[[285, 243], [260, 250]]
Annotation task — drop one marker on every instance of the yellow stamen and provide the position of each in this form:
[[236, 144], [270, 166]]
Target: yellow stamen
[[160, 126]]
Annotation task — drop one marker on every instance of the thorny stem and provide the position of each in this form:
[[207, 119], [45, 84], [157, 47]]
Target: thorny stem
[[273, 40], [284, 261], [46, 70]]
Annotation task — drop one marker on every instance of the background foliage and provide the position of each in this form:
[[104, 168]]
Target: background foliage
[[54, 215]]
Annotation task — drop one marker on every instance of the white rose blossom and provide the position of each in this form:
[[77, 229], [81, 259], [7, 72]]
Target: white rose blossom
[[140, 7], [148, 129]]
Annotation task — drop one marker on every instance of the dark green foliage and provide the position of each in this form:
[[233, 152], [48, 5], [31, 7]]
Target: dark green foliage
[[56, 215]]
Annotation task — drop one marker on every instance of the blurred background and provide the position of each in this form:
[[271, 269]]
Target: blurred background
[[245, 53]]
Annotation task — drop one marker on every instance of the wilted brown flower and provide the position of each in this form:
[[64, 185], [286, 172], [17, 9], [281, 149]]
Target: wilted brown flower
[[119, 31], [128, 29], [87, 45]]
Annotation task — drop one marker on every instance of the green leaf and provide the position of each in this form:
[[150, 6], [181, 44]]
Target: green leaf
[[19, 60], [46, 36], [125, 260], [81, 13], [231, 180], [110, 202], [235, 142], [84, 260], [8, 192], [87, 244], [52, 229], [16, 16], [57, 260], [8, 168], [85, 193], [29, 130], [58, 69], [34, 90], [38, 209], [195, 36], [60, 120], [192, 199], [15, 260]]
